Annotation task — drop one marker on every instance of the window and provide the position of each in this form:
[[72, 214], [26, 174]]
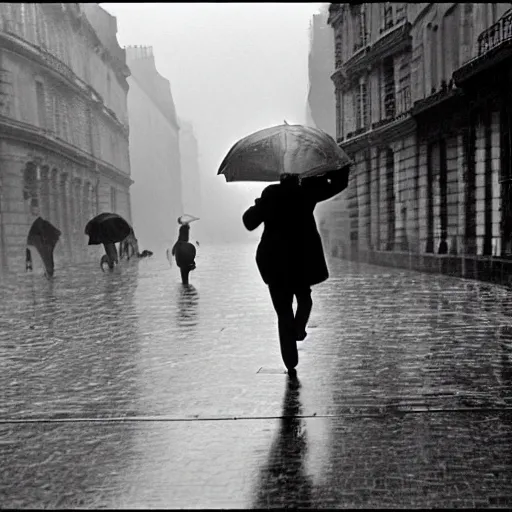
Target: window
[[388, 72], [360, 23], [41, 104], [400, 12], [467, 30], [361, 107], [451, 43], [434, 78], [387, 15], [31, 185]]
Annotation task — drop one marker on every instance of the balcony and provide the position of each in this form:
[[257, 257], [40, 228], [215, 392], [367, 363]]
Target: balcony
[[447, 92], [396, 40], [401, 103], [387, 129], [494, 47], [495, 35]]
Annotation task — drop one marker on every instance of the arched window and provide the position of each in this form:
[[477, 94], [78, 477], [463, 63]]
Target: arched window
[[450, 42], [31, 185], [434, 71], [467, 31]]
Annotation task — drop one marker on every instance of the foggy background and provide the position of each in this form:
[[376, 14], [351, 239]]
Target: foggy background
[[233, 68]]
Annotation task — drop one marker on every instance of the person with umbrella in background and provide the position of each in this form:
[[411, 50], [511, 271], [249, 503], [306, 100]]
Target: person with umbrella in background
[[183, 250], [44, 237], [107, 229], [310, 168]]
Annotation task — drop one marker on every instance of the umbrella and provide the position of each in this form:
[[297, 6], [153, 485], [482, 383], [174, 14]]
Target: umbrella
[[107, 228], [44, 236], [268, 153], [187, 219]]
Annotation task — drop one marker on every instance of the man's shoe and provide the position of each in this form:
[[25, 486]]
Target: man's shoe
[[301, 336]]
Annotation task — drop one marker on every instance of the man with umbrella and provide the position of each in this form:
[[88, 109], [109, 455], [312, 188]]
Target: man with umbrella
[[290, 255], [107, 229]]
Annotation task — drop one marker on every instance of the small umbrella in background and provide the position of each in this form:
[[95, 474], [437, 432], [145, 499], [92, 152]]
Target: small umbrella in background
[[187, 219], [108, 229], [266, 154], [44, 236]]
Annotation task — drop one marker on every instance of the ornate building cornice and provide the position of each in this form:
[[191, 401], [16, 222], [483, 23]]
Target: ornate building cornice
[[60, 70], [24, 132]]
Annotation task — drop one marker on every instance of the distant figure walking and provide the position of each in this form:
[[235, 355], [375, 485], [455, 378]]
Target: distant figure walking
[[290, 256], [184, 252]]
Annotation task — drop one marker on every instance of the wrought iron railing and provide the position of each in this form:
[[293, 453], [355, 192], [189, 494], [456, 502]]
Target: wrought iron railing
[[496, 34]]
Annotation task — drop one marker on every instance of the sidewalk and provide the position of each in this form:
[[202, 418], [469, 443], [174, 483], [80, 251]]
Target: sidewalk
[[137, 395]]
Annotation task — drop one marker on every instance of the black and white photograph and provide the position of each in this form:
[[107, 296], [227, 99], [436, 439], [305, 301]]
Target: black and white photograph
[[255, 255]]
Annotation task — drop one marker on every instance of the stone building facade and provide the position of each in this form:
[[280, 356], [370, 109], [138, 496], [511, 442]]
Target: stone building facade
[[332, 215], [190, 172], [425, 192], [63, 126], [154, 152]]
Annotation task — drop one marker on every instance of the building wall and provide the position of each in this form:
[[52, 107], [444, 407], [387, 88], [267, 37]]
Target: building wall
[[154, 154], [332, 215], [190, 172], [427, 176], [61, 146]]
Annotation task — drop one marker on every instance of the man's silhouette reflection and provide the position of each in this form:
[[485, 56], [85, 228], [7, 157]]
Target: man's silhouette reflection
[[188, 301], [283, 481]]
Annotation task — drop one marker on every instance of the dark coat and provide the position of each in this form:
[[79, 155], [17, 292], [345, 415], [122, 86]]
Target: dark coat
[[290, 251], [183, 250]]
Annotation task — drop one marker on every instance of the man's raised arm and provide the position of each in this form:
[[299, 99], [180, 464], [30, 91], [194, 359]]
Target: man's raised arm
[[324, 187]]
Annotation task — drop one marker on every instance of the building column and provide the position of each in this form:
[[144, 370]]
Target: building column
[[65, 214], [461, 193], [480, 191], [353, 211], [54, 198], [423, 198], [495, 183], [76, 221], [383, 205], [375, 200], [452, 186]]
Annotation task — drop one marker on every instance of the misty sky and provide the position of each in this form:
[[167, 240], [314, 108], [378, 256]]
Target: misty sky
[[233, 68]]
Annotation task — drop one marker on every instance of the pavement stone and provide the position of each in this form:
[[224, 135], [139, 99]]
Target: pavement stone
[[124, 390]]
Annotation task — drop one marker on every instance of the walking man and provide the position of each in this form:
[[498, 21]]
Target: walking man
[[290, 256]]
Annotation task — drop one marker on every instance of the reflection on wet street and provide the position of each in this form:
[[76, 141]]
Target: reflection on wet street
[[127, 389]]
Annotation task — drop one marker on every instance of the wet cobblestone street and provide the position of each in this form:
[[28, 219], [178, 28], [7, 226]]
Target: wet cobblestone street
[[125, 390]]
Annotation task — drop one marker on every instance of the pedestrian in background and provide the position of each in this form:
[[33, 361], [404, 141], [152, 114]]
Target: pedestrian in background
[[184, 252], [290, 256]]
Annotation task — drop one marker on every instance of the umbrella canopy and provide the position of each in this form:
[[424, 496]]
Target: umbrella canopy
[[295, 149], [44, 236], [187, 219], [107, 228]]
